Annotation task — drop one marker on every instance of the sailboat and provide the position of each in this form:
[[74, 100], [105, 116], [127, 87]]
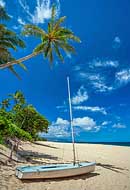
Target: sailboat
[[57, 170]]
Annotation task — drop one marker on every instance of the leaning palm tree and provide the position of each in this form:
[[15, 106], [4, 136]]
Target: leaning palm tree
[[53, 41]]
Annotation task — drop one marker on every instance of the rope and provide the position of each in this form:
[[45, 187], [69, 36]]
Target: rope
[[62, 154]]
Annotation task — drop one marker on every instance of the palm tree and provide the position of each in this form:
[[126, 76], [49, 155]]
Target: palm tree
[[18, 98], [8, 40], [3, 14], [55, 39], [5, 103]]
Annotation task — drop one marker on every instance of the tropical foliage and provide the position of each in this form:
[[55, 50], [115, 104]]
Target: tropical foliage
[[8, 40], [3, 14], [19, 120], [10, 130], [54, 40]]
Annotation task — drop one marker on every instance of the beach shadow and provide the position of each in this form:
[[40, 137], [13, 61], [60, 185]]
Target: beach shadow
[[45, 145], [23, 156], [2, 163], [29, 155], [81, 177], [109, 167], [112, 167], [4, 154], [13, 160]]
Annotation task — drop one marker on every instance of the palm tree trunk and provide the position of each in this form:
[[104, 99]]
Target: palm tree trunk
[[11, 63], [11, 152]]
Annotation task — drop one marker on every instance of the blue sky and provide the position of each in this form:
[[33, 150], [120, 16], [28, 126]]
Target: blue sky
[[99, 72]]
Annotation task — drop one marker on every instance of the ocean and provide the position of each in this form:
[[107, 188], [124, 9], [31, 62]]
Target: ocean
[[104, 143]]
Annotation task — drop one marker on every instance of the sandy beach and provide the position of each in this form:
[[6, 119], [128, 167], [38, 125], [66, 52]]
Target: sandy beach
[[112, 169]]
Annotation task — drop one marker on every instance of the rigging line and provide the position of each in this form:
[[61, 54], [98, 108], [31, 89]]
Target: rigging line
[[77, 155], [71, 122], [63, 153]]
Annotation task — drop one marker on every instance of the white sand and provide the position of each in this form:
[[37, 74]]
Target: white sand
[[112, 170]]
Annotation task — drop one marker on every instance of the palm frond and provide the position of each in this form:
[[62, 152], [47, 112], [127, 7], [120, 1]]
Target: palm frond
[[7, 44], [53, 15], [14, 72], [3, 14], [47, 49], [58, 22], [63, 31], [17, 41], [11, 37], [65, 37], [74, 38], [58, 52], [66, 47], [49, 27], [8, 32], [40, 47], [22, 66], [50, 55], [33, 30], [5, 55]]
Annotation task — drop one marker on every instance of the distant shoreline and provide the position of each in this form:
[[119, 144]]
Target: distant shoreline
[[82, 142]]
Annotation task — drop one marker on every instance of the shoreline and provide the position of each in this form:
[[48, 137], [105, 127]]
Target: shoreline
[[102, 143]]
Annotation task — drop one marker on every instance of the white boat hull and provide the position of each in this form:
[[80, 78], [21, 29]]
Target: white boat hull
[[54, 171]]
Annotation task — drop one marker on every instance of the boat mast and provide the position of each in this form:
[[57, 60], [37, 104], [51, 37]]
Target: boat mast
[[71, 122]]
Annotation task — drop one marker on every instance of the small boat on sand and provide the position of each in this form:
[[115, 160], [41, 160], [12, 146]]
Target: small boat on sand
[[57, 170], [54, 171]]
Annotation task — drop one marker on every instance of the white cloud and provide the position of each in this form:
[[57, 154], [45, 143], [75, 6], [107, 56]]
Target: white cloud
[[63, 107], [2, 3], [82, 75], [76, 68], [61, 127], [93, 109], [80, 97], [41, 12], [119, 126], [105, 123], [116, 42], [97, 81], [102, 75], [100, 86], [123, 77], [86, 123], [61, 121], [20, 21], [57, 131], [68, 55], [117, 39], [60, 107], [97, 76], [103, 63]]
